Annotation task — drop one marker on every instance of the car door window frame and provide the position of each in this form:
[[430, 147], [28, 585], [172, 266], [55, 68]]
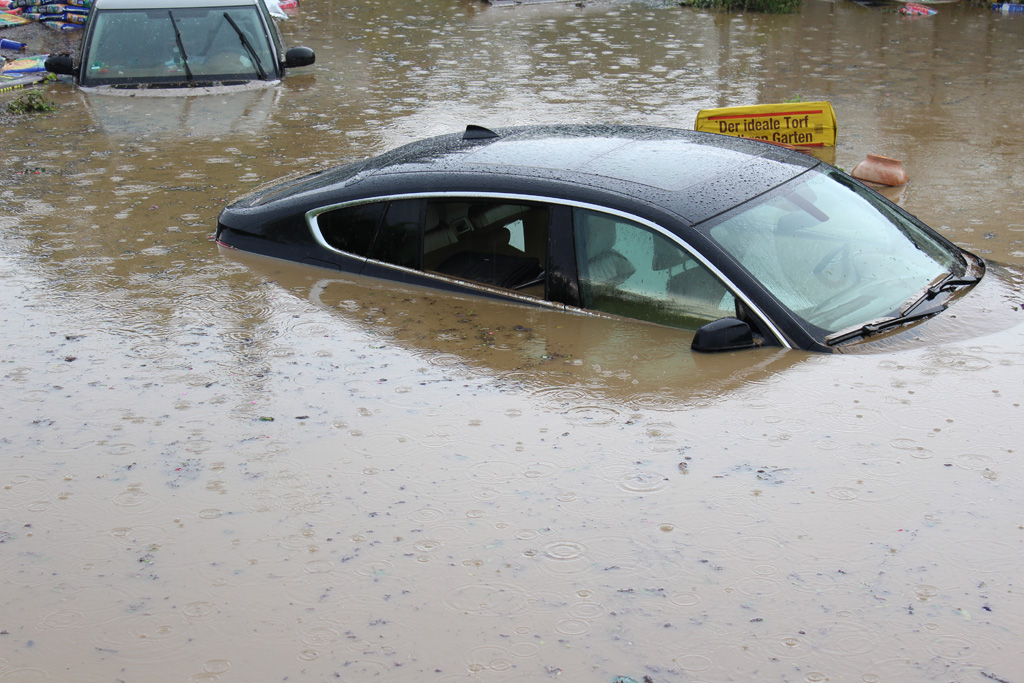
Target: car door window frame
[[562, 275], [272, 30], [373, 267]]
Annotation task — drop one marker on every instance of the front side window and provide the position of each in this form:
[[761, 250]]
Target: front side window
[[142, 46], [833, 253], [493, 242], [634, 271]]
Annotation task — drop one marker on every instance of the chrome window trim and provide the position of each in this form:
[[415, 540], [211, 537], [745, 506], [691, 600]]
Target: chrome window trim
[[314, 228]]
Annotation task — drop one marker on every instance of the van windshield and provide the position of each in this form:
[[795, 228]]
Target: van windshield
[[197, 45]]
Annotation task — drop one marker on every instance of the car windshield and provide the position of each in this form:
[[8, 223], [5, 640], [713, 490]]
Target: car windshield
[[198, 44], [833, 252]]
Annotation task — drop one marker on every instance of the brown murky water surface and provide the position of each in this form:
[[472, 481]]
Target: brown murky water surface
[[216, 467]]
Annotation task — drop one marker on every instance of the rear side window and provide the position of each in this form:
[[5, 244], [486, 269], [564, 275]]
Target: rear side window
[[398, 239], [495, 243], [490, 242], [351, 229], [631, 270]]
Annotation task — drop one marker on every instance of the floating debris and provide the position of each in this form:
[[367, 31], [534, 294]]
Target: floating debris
[[881, 170]]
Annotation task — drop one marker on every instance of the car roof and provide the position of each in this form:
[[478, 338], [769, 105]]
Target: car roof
[[695, 175], [167, 4]]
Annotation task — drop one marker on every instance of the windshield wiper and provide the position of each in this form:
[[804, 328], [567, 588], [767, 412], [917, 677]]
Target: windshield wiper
[[949, 281], [883, 324], [181, 46], [919, 306], [248, 46]]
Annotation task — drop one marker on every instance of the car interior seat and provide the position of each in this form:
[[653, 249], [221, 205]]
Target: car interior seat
[[454, 245], [694, 290], [604, 264]]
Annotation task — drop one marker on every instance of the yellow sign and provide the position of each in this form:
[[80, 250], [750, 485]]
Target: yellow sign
[[803, 124]]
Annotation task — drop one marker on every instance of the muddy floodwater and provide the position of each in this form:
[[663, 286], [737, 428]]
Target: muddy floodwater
[[217, 467]]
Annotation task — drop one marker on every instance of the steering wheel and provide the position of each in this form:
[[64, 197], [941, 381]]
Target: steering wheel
[[843, 274], [835, 307]]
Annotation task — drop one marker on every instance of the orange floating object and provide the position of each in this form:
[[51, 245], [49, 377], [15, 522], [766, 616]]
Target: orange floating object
[[882, 170]]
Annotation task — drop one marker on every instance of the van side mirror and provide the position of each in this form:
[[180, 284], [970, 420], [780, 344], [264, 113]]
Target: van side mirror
[[298, 56], [60, 64], [724, 334]]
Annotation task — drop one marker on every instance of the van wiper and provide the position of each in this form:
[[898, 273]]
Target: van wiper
[[883, 324], [248, 47], [181, 46]]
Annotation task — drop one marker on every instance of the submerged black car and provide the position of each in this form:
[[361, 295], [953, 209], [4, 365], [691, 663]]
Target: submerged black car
[[747, 243]]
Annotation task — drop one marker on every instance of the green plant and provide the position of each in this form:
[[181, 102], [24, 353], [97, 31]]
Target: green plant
[[30, 103]]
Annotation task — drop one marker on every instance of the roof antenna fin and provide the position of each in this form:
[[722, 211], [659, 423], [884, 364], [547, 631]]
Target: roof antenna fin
[[478, 133]]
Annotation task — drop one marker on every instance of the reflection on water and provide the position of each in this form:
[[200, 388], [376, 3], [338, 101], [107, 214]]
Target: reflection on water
[[529, 348], [224, 468], [223, 112]]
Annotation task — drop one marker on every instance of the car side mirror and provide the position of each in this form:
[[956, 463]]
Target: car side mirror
[[724, 334], [60, 64], [298, 56]]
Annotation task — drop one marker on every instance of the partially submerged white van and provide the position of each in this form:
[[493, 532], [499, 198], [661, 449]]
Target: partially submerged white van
[[179, 46]]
